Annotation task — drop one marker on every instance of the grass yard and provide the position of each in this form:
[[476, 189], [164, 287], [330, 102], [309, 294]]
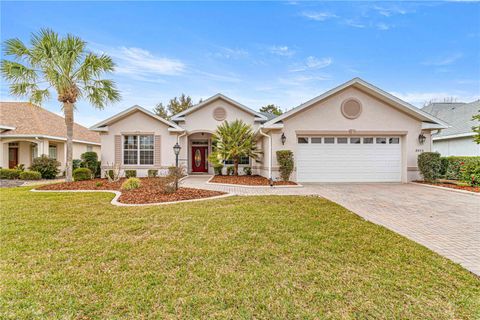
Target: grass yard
[[77, 256]]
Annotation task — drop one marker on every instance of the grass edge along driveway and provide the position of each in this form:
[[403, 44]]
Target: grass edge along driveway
[[76, 256]]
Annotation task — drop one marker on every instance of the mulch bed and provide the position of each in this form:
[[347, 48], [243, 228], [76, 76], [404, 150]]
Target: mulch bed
[[254, 180], [150, 191], [452, 186]]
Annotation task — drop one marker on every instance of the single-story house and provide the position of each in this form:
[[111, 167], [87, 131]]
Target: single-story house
[[28, 131], [457, 140], [355, 132]]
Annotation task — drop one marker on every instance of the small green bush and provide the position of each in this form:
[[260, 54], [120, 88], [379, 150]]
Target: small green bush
[[19, 167], [47, 167], [152, 173], [130, 173], [109, 173], [9, 174], [454, 165], [230, 170], [98, 184], [90, 161], [76, 163], [81, 174], [131, 183], [247, 171], [429, 165], [471, 172], [285, 160], [30, 175], [217, 169]]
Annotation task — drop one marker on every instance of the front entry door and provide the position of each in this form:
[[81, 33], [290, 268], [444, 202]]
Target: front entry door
[[12, 157], [199, 159]]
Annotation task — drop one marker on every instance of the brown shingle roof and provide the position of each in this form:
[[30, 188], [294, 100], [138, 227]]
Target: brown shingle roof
[[28, 118]]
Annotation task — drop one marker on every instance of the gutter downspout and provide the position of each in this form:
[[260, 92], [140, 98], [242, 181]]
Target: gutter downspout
[[270, 153]]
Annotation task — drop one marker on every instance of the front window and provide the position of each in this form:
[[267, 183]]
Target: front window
[[138, 149], [52, 152], [34, 151]]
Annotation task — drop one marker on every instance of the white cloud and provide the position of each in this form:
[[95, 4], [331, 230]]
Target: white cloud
[[230, 53], [282, 51], [354, 23], [312, 63], [137, 61], [318, 15], [387, 12], [382, 26], [443, 61]]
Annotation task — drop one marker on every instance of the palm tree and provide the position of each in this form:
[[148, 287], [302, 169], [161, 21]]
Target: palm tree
[[63, 65], [235, 140]]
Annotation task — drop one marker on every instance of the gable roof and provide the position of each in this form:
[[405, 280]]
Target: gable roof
[[372, 90], [179, 116], [103, 125], [26, 119], [457, 114]]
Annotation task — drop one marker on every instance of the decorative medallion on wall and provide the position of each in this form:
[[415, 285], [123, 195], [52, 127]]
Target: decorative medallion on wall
[[219, 114], [351, 108]]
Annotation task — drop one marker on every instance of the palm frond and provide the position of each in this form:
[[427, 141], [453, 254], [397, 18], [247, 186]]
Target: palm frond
[[101, 92], [15, 72], [15, 47]]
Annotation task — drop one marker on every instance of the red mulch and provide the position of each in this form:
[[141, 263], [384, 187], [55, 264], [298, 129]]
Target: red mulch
[[254, 180], [452, 186], [150, 191]]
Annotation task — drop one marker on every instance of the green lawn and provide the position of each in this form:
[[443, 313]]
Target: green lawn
[[77, 256]]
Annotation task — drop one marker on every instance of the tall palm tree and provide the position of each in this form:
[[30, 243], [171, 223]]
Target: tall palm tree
[[61, 64], [235, 140]]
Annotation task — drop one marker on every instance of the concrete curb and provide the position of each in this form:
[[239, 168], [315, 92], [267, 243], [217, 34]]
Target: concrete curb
[[247, 186], [445, 188], [118, 194]]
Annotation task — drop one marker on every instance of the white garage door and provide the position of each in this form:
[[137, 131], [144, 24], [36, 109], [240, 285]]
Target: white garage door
[[352, 159]]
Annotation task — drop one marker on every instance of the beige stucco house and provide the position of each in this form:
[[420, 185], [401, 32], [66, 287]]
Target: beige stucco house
[[28, 131], [355, 132]]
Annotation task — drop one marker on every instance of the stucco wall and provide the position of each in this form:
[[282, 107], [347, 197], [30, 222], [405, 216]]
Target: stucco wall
[[457, 147], [138, 123], [375, 116]]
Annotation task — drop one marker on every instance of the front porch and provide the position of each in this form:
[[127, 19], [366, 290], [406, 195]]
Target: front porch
[[21, 151], [199, 147]]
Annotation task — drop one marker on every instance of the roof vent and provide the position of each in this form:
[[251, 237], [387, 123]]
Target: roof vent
[[219, 114], [351, 108]]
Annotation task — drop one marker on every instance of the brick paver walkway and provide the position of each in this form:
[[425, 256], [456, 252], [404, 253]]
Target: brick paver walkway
[[447, 222]]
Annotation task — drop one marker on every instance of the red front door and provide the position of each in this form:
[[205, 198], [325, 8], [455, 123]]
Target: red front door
[[199, 159], [12, 157]]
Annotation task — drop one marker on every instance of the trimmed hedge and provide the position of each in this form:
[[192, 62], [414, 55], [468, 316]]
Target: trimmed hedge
[[30, 175], [81, 174], [451, 166], [429, 165], [152, 173], [285, 159], [9, 174], [471, 172], [130, 173]]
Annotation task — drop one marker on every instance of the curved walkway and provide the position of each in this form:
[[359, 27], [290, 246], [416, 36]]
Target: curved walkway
[[445, 221]]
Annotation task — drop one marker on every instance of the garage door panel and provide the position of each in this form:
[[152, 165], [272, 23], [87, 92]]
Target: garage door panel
[[349, 162]]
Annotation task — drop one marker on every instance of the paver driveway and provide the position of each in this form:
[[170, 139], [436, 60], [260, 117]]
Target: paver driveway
[[447, 222]]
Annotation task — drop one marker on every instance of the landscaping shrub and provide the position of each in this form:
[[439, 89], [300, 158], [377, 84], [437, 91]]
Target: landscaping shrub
[[172, 179], [30, 175], [247, 171], [81, 174], [76, 163], [90, 161], [109, 174], [131, 183], [444, 163], [47, 167], [230, 170], [19, 167], [471, 172], [285, 160], [9, 174], [454, 166], [429, 165], [98, 184], [218, 169], [130, 173], [152, 173]]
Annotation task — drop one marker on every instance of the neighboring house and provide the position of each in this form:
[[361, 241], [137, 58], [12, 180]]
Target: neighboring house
[[352, 133], [457, 140], [28, 131]]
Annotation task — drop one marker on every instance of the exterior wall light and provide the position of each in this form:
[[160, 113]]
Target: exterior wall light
[[421, 138], [283, 138], [176, 150]]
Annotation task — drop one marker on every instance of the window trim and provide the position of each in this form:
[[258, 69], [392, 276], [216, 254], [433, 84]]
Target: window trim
[[138, 149], [53, 146]]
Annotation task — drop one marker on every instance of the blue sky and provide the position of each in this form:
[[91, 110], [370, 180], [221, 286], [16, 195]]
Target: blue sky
[[265, 52]]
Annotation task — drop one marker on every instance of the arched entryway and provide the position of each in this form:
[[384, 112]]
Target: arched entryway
[[199, 148]]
